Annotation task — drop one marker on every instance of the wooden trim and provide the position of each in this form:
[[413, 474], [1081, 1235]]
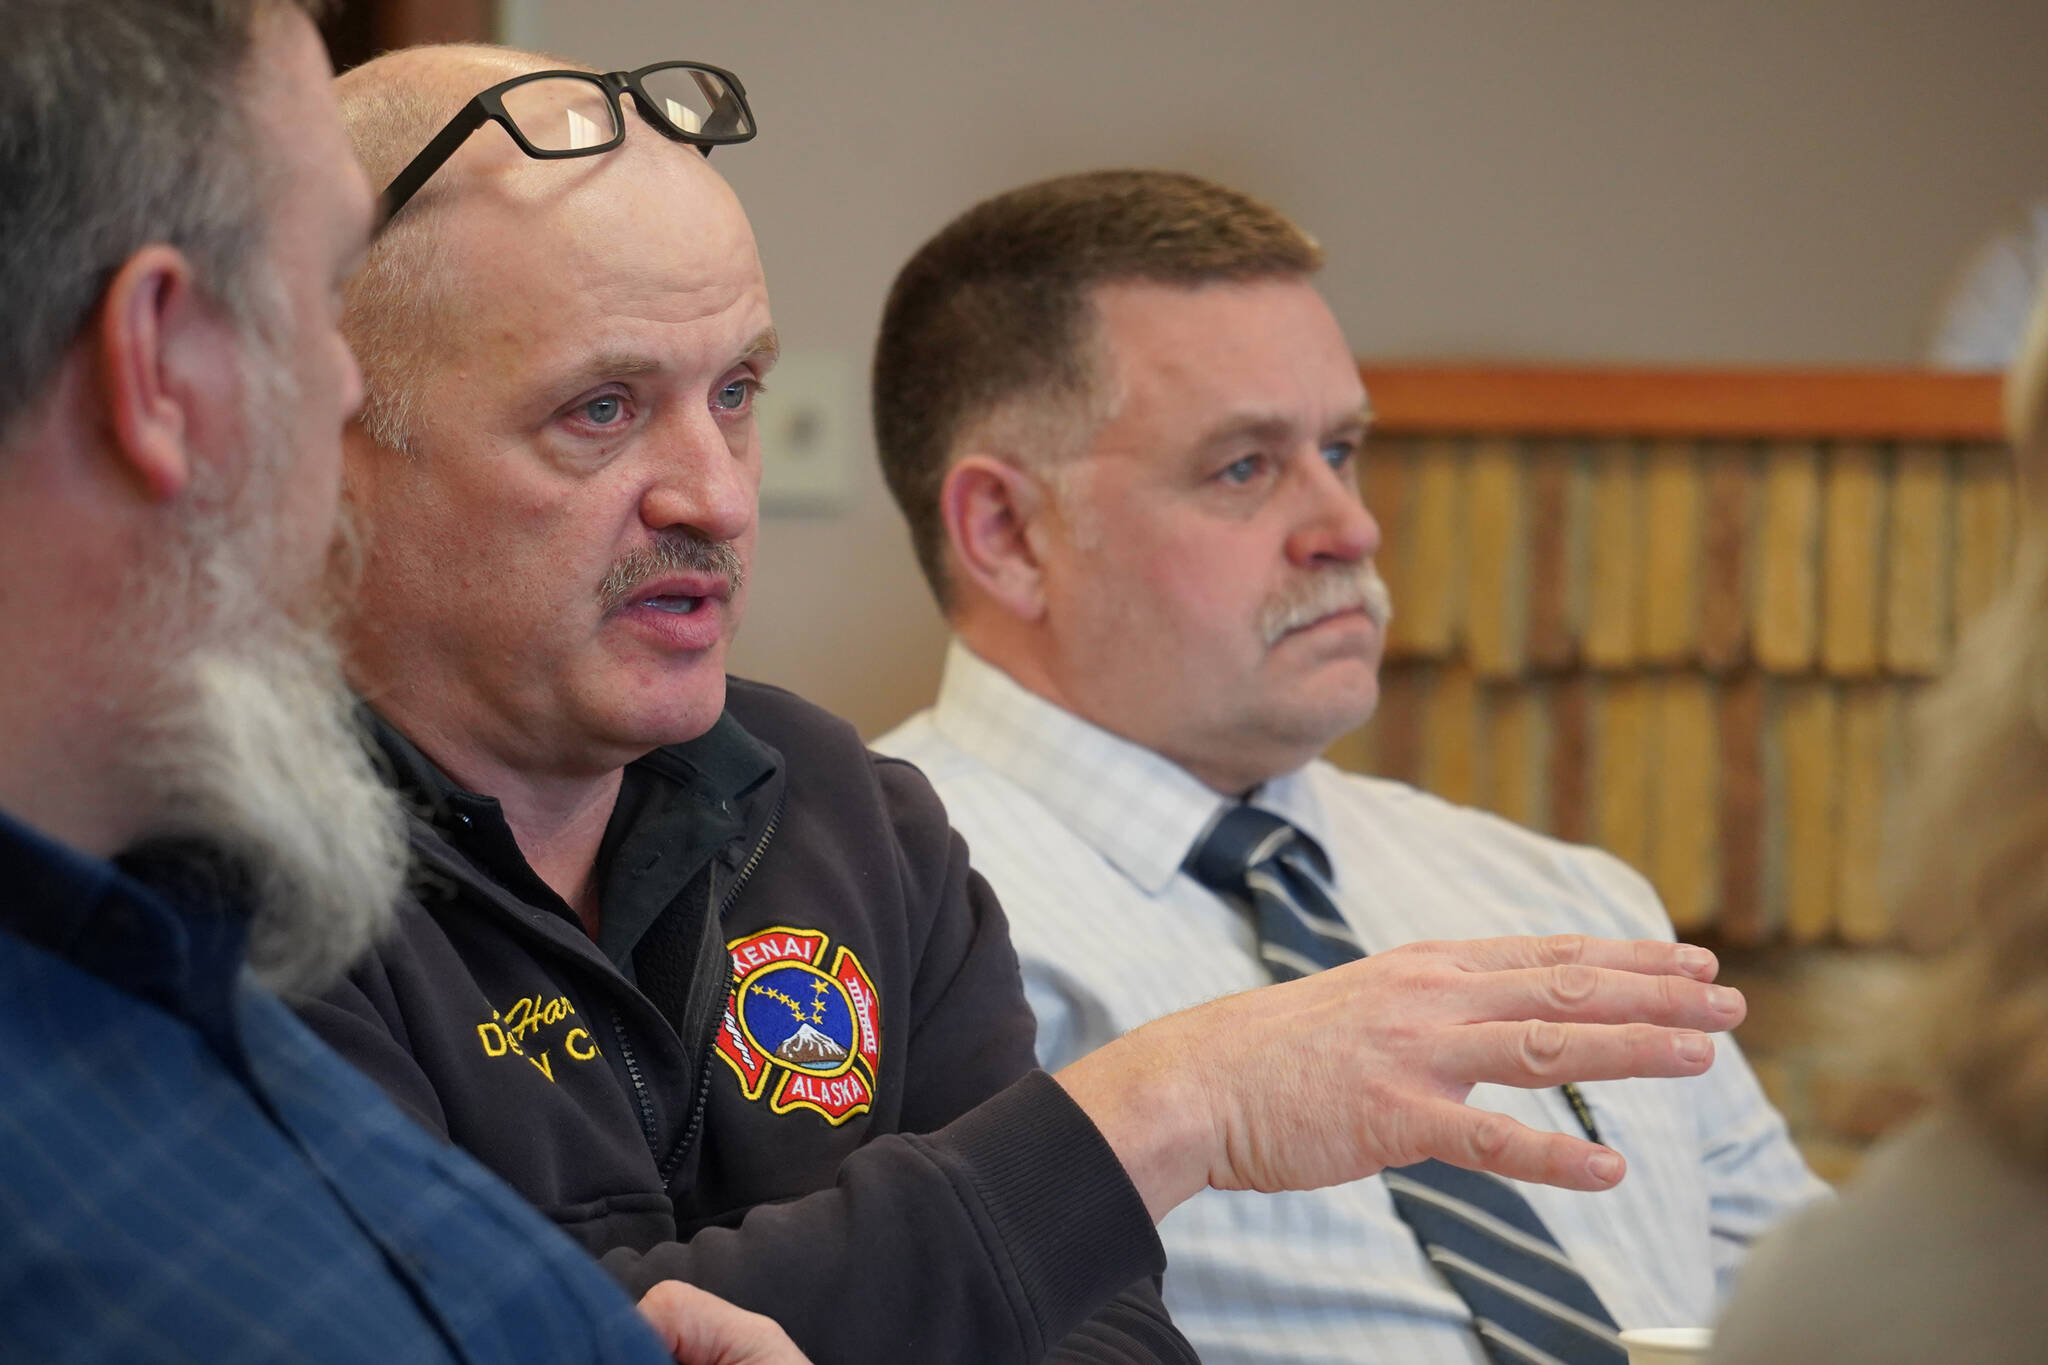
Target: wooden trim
[[1769, 404], [404, 23]]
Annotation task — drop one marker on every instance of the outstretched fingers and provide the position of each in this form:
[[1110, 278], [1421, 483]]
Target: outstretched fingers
[[1653, 957], [1579, 994], [1481, 1140], [1533, 1053]]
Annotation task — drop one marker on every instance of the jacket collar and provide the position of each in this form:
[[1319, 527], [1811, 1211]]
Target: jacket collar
[[166, 921], [723, 764], [679, 808]]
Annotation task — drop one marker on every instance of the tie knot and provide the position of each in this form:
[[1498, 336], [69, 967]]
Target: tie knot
[[1243, 838]]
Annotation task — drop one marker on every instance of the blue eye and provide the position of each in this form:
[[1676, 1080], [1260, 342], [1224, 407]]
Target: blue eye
[[735, 395], [605, 411], [1242, 471], [1339, 453]]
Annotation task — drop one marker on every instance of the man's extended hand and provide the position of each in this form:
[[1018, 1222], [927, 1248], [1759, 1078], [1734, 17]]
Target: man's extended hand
[[703, 1329], [1341, 1074]]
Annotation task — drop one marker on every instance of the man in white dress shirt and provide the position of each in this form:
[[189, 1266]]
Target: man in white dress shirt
[[1124, 429]]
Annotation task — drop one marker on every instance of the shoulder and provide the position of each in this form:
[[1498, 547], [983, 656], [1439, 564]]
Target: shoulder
[[775, 715], [918, 741], [61, 1022], [1469, 845], [1932, 1253], [835, 781], [1019, 842], [811, 740]]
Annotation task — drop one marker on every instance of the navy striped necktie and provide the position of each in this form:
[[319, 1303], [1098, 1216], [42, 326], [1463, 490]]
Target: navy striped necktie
[[1529, 1305]]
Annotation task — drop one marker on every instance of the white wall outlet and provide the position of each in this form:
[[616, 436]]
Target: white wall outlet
[[806, 418]]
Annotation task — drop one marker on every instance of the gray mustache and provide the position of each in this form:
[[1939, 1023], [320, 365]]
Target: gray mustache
[[671, 552], [1357, 587]]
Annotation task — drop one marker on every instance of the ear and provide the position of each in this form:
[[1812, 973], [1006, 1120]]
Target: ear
[[164, 360], [989, 506]]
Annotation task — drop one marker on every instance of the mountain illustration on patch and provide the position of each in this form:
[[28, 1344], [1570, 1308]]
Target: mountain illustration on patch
[[808, 1047]]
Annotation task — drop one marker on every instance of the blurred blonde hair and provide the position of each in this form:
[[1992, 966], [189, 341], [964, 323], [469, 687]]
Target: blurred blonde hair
[[1973, 846]]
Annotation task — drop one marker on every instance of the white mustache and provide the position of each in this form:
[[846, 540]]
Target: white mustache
[[1356, 588]]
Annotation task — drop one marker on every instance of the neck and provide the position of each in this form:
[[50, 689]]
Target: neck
[[558, 820], [51, 787], [559, 832], [66, 705], [1014, 648]]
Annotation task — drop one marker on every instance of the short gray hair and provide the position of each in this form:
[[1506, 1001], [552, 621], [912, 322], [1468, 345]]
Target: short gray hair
[[121, 124]]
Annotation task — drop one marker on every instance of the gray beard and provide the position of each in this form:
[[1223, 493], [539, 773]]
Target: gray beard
[[254, 749], [247, 740]]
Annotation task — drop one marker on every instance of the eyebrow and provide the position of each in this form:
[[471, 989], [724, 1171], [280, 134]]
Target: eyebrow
[[763, 351], [1273, 425]]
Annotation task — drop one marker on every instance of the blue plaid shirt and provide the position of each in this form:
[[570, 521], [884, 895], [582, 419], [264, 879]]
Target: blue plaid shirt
[[186, 1174]]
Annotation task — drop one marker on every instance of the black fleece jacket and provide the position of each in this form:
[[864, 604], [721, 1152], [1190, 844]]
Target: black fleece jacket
[[797, 1072]]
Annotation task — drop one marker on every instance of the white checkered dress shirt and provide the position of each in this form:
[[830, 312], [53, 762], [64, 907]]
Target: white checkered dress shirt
[[1082, 835]]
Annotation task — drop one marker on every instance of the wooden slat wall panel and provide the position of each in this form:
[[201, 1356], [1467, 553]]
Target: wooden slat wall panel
[[1571, 744], [1801, 806], [1452, 736], [1684, 799], [1917, 583], [1386, 478], [1673, 494], [1614, 558], [1621, 766], [1518, 753], [1786, 600], [1852, 558], [1740, 713], [1496, 618], [1727, 570], [1983, 531], [1556, 486], [1696, 648], [1432, 567], [1868, 768]]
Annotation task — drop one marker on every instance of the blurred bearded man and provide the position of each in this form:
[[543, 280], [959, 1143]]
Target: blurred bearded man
[[700, 976], [1125, 430], [185, 1172]]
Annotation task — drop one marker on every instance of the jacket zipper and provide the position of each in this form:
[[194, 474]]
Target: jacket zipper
[[640, 1096], [703, 1097]]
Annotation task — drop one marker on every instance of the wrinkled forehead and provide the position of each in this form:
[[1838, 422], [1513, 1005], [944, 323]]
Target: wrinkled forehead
[[651, 216], [1225, 352]]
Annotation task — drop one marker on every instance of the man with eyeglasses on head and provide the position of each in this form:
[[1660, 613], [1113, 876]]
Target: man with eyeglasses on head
[[188, 822], [701, 977]]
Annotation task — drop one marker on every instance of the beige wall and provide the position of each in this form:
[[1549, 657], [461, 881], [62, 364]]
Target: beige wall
[[1667, 180]]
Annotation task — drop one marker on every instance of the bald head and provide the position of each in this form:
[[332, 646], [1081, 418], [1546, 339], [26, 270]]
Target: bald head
[[392, 107]]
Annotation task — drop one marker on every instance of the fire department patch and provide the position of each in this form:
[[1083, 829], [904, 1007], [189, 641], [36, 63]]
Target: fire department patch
[[813, 1032]]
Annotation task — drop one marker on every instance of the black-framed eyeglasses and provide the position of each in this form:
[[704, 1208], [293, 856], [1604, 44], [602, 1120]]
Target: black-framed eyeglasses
[[553, 114]]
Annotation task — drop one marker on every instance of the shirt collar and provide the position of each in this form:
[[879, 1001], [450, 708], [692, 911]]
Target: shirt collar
[[1293, 796], [168, 922], [1140, 811], [723, 763], [676, 810]]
